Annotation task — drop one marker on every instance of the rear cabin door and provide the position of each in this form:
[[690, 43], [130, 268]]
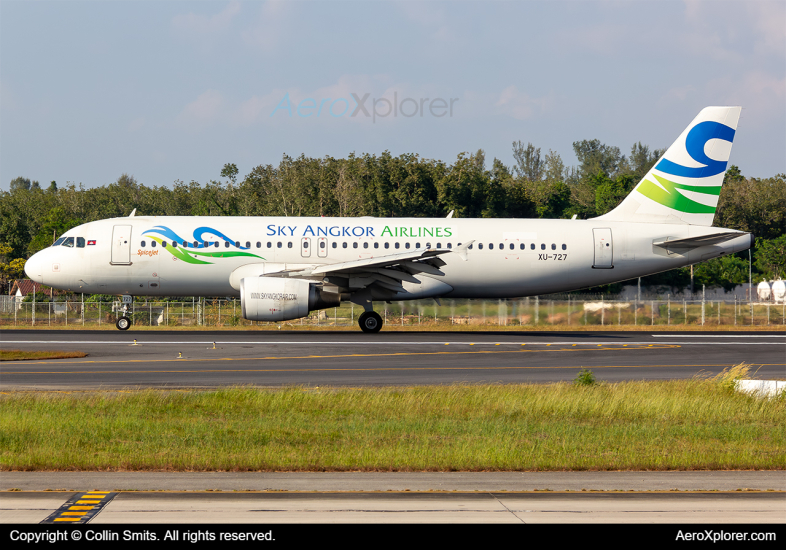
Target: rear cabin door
[[604, 248], [121, 245]]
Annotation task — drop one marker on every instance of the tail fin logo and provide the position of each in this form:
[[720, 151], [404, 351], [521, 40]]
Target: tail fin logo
[[694, 144]]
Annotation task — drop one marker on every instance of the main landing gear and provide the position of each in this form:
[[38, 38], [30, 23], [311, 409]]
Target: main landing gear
[[370, 321]]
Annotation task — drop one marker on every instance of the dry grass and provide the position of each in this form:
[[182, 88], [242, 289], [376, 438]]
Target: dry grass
[[20, 355]]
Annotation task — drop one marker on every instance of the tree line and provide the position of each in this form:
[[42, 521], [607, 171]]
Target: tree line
[[535, 186]]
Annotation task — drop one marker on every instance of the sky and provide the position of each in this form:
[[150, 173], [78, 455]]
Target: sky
[[174, 90]]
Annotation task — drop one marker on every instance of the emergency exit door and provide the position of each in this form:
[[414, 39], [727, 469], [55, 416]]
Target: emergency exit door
[[121, 245], [604, 248]]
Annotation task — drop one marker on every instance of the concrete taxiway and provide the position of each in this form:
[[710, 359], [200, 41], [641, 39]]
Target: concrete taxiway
[[179, 359], [393, 497]]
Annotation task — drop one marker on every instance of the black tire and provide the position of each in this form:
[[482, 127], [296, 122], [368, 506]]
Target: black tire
[[124, 323], [370, 322]]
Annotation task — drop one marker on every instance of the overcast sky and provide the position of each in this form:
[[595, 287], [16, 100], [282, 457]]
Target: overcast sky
[[174, 90]]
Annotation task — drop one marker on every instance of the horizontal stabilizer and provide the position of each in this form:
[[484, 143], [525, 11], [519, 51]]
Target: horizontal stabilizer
[[703, 240]]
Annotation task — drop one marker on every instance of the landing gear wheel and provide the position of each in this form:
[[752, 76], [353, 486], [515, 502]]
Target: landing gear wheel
[[370, 321], [124, 323]]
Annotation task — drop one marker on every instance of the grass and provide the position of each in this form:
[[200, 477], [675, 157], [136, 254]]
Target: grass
[[670, 425], [18, 355]]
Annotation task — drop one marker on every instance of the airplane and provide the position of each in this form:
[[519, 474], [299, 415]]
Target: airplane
[[282, 268]]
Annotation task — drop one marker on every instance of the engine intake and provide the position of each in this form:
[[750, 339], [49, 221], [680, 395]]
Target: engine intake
[[282, 299]]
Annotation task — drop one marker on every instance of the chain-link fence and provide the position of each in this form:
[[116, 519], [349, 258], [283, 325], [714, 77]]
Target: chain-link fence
[[563, 311]]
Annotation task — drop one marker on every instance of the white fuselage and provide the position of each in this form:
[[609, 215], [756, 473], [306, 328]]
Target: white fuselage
[[509, 257]]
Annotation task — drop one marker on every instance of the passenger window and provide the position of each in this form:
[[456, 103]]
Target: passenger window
[[480, 246], [450, 245], [406, 245], [205, 244], [387, 245], [185, 244], [376, 245], [543, 246], [142, 244], [428, 245], [215, 244], [397, 245], [248, 244], [237, 244], [553, 246], [502, 246], [470, 246], [335, 244], [354, 245], [278, 244], [163, 243], [289, 244], [174, 244], [343, 245], [80, 242], [522, 246], [564, 247], [226, 244], [439, 245], [417, 245], [512, 246], [491, 246], [532, 246], [196, 244], [153, 244], [259, 244], [365, 245]]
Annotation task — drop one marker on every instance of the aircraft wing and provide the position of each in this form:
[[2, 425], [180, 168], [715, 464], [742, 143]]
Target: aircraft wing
[[704, 240], [387, 271]]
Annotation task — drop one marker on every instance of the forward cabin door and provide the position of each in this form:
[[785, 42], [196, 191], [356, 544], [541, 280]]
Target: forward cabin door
[[121, 245], [604, 248]]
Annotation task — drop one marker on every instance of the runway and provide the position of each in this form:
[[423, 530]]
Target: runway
[[202, 359]]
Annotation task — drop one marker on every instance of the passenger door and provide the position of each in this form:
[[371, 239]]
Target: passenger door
[[121, 245], [604, 248]]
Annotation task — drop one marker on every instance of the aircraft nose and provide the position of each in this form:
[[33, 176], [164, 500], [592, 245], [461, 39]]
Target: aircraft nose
[[34, 267]]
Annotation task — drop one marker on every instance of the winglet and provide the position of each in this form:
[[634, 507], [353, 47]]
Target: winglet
[[462, 250]]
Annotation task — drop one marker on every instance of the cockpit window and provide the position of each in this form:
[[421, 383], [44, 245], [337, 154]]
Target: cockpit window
[[80, 242], [59, 241], [69, 242]]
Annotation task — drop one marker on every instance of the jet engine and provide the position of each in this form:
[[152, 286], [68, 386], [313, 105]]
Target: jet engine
[[282, 299]]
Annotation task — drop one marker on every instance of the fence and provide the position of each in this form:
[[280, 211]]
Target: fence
[[564, 311]]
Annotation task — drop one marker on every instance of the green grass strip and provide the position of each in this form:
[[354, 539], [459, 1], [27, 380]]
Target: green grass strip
[[670, 425]]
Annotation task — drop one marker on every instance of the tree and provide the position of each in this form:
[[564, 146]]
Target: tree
[[528, 163], [230, 172], [770, 257], [595, 156], [20, 183]]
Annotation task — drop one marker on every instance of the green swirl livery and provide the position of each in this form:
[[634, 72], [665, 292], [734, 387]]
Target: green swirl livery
[[196, 254]]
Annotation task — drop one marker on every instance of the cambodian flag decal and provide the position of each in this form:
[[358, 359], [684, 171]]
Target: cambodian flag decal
[[89, 243]]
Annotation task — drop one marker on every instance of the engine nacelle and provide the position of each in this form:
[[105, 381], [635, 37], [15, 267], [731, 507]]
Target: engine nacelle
[[281, 299]]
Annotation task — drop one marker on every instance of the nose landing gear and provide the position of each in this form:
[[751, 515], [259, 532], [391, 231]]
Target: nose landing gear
[[370, 322], [124, 323]]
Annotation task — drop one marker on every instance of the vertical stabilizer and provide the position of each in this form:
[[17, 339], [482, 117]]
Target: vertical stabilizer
[[684, 185]]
